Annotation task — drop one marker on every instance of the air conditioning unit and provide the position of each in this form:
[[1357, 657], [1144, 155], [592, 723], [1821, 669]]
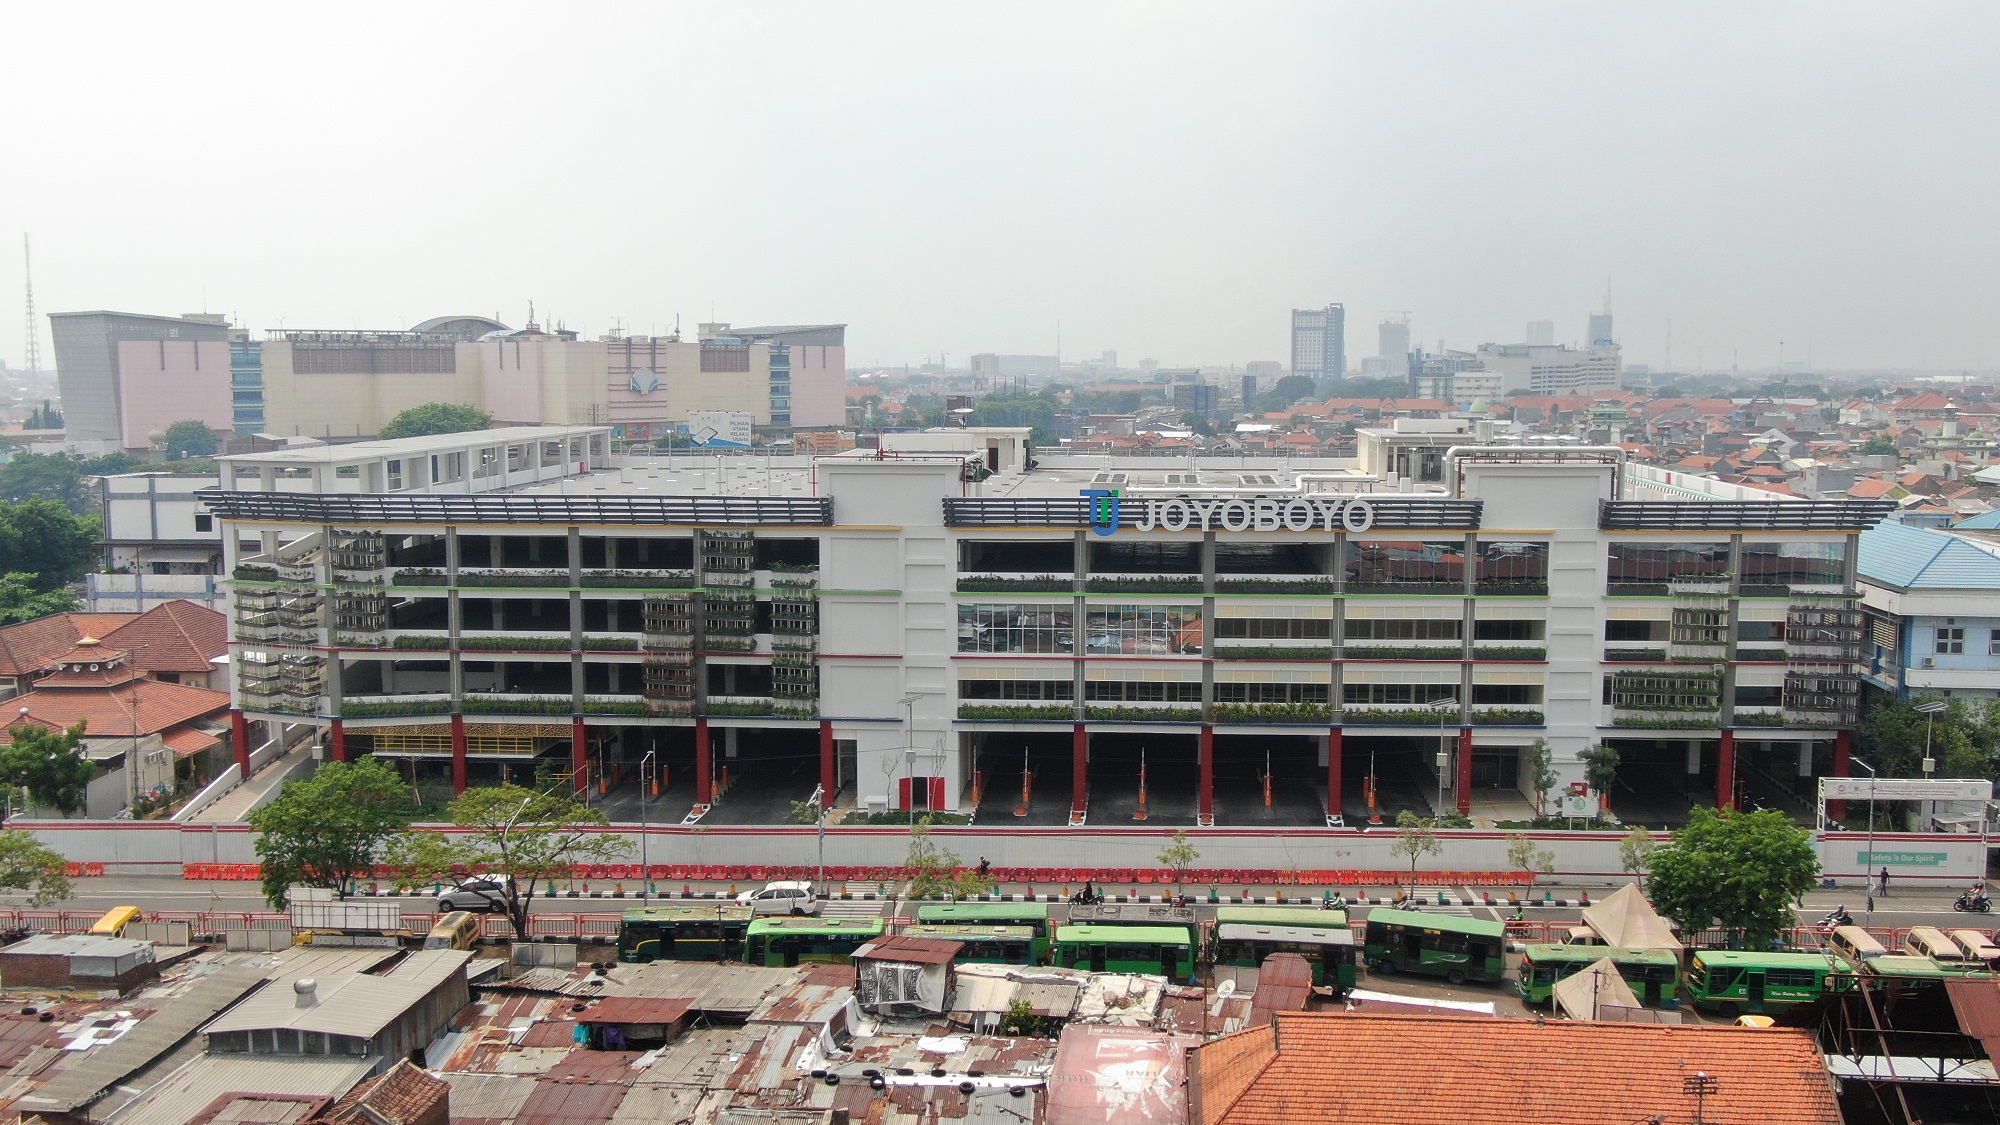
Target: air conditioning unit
[[1928, 662]]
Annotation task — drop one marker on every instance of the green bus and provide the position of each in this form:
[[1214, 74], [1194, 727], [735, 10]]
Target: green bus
[[1135, 914], [1034, 915], [1654, 974], [783, 942], [993, 945], [1311, 917], [1735, 981], [1440, 945], [1329, 949], [683, 933], [1167, 951]]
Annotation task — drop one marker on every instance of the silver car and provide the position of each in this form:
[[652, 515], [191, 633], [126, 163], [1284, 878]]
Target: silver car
[[488, 894]]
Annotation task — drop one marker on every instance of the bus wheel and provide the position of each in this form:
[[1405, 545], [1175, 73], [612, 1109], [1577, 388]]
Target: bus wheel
[[1386, 967], [1456, 976], [1730, 1010]]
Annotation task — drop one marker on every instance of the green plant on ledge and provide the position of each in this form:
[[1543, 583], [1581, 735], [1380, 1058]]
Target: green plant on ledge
[[1271, 712], [1275, 652], [426, 643], [1508, 717], [1510, 652], [1691, 722], [1398, 652], [1016, 712], [1375, 716], [1144, 713]]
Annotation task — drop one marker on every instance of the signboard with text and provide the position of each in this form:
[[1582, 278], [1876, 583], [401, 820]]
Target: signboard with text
[[1904, 789]]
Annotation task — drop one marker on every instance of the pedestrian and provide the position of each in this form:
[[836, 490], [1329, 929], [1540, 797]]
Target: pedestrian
[[984, 867], [1882, 883]]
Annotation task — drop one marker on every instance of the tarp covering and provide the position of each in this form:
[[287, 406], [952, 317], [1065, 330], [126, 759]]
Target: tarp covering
[[1627, 920], [1590, 992]]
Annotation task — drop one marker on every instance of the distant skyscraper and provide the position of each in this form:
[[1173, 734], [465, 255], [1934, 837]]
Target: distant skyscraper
[[1319, 342], [1393, 343], [1541, 333], [1600, 330]]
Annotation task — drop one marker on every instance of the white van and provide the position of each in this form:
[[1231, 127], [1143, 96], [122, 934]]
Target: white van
[[781, 898]]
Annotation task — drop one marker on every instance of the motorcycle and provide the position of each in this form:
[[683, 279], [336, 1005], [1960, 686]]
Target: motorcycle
[[1834, 920], [1084, 898], [1967, 904]]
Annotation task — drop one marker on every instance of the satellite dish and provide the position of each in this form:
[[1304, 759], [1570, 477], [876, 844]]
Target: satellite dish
[[1225, 990]]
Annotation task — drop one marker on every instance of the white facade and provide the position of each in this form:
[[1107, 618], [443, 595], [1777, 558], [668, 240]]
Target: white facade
[[1319, 342], [1552, 370]]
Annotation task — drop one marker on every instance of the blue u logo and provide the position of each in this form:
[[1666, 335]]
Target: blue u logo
[[1103, 509]]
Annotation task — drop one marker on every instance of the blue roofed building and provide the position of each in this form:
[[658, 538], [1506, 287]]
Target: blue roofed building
[[1931, 603]]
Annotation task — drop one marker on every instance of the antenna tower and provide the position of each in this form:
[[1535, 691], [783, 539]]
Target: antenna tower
[[34, 357]]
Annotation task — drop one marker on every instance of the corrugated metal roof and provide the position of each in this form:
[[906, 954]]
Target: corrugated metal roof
[[1917, 558], [182, 1095], [635, 1009], [708, 987], [354, 1004], [568, 1103], [1128, 1075], [913, 950], [1984, 521], [487, 1097], [1977, 1002]]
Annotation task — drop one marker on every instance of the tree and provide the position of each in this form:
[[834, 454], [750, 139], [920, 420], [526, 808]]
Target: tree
[[436, 418], [27, 864], [20, 602], [1734, 870], [1635, 852], [1416, 837], [936, 870], [1179, 854], [1539, 761], [328, 828], [1197, 423], [1524, 854], [43, 539], [50, 764], [1878, 447], [189, 438], [1600, 770], [507, 830], [1964, 738], [44, 476]]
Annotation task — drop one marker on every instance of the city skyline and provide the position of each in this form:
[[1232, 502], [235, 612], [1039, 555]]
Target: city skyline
[[966, 181]]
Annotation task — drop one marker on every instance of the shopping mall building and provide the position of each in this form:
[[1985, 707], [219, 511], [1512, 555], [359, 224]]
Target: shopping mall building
[[956, 621]]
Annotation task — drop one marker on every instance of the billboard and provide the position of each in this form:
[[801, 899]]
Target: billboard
[[719, 429], [1904, 789]]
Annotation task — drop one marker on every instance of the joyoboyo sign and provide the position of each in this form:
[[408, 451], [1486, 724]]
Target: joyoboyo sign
[[1260, 514]]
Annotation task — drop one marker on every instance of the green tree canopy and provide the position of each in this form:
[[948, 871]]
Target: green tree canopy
[[1734, 870], [1878, 447], [44, 540], [27, 864], [436, 418], [323, 830], [49, 764], [190, 438], [936, 870], [19, 600], [507, 830], [1964, 738], [1416, 837], [1036, 411]]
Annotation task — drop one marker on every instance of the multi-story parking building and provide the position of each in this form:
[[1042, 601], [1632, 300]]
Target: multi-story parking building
[[950, 622]]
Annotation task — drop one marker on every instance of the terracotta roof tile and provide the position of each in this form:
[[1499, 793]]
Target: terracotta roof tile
[[27, 647], [109, 711], [176, 636], [1419, 1070]]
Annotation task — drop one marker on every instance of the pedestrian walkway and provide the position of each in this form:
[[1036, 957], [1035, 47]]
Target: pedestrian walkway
[[851, 908], [236, 805]]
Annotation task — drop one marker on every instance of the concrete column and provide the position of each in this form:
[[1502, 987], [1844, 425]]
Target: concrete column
[[336, 740], [1207, 813], [704, 765], [1079, 771], [1333, 783], [1725, 772], [1843, 750], [826, 764], [579, 756], [1465, 771], [457, 754], [1694, 757], [239, 738]]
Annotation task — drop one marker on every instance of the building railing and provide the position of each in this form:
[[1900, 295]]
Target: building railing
[[519, 508]]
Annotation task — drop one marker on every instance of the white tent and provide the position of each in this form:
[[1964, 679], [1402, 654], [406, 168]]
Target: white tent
[[1593, 991], [1626, 920]]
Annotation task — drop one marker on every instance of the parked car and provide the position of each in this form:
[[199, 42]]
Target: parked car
[[485, 893], [782, 898]]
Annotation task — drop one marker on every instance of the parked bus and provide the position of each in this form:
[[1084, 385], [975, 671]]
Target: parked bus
[[995, 945], [683, 933], [1311, 917], [1738, 981], [1654, 974], [784, 942], [1163, 950], [1439, 945], [1034, 915], [1329, 949], [1134, 914]]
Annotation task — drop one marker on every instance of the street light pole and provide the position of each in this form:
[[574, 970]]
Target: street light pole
[[1868, 869], [1444, 708], [646, 765]]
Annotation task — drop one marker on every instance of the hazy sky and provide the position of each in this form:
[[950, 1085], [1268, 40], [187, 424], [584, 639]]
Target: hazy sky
[[1167, 180]]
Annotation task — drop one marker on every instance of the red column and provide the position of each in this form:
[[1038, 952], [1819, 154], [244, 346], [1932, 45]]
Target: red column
[[239, 738], [579, 756], [1207, 774], [1465, 771], [1725, 772], [1843, 749], [457, 754], [826, 764], [336, 740], [1079, 771], [1333, 750], [704, 765]]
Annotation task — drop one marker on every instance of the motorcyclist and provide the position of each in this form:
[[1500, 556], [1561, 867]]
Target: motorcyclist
[[1976, 895]]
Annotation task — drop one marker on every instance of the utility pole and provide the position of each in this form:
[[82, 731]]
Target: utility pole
[[34, 357]]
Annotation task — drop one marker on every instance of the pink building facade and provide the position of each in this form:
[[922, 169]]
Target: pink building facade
[[161, 382], [819, 385]]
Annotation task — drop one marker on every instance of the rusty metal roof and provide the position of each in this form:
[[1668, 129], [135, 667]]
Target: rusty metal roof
[[1284, 984], [568, 1103], [912, 950], [635, 1009], [1117, 1074], [1977, 1002]]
